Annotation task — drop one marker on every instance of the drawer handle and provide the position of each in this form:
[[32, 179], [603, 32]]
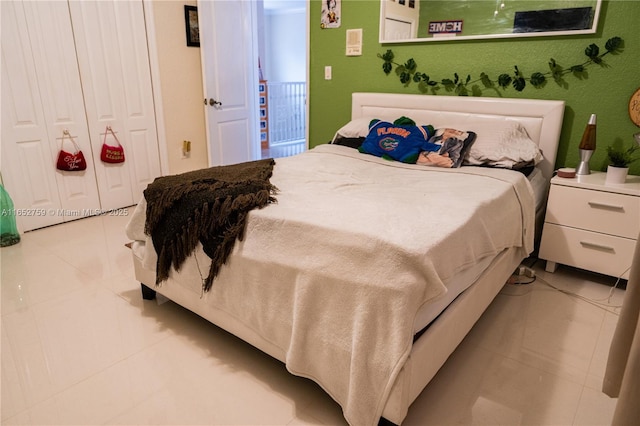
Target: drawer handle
[[587, 244], [596, 204]]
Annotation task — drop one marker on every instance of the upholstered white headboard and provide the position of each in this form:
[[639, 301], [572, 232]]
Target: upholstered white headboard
[[541, 118]]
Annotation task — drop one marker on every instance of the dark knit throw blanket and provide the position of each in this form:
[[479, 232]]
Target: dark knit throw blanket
[[208, 206]]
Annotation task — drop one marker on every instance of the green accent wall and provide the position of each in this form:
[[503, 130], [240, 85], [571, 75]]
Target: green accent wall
[[605, 90]]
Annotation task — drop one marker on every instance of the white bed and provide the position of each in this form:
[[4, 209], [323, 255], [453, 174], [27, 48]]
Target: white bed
[[354, 300]]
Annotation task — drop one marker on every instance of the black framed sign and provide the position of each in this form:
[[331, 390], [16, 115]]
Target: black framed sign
[[191, 24]]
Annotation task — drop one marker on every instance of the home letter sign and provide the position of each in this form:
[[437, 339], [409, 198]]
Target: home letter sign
[[440, 27]]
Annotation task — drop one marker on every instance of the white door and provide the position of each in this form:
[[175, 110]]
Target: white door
[[112, 54], [41, 98], [228, 45]]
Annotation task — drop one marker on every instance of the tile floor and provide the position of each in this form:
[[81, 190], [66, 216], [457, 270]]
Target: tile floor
[[80, 346]]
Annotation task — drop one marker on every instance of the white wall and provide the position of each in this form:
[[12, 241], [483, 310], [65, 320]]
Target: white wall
[[181, 87], [285, 45]]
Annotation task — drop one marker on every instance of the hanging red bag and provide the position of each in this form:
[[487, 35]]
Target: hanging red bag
[[70, 161], [111, 154]]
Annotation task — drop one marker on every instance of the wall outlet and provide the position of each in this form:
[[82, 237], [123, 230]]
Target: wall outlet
[[186, 149]]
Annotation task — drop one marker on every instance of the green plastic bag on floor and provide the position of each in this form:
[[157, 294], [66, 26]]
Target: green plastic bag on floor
[[9, 234]]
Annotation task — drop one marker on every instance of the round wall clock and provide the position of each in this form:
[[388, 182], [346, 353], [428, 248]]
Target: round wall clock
[[634, 107]]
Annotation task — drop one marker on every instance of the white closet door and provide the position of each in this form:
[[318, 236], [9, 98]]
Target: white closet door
[[53, 49], [27, 161], [111, 45], [28, 156]]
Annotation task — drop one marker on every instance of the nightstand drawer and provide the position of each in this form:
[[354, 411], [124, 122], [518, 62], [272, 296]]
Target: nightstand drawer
[[601, 253], [598, 211]]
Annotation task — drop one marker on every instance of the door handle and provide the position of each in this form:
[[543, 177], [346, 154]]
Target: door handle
[[212, 102]]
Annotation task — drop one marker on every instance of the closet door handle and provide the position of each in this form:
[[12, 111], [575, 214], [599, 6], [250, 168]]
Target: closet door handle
[[212, 102]]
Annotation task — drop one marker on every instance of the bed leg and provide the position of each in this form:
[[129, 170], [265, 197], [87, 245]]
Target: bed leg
[[385, 422], [147, 292]]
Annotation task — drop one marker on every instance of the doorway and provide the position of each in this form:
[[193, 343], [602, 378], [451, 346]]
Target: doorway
[[283, 50], [246, 47]]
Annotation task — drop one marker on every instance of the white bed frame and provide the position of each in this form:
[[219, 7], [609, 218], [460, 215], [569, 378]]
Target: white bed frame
[[543, 120]]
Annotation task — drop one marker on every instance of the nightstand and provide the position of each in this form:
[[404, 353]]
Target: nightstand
[[591, 225]]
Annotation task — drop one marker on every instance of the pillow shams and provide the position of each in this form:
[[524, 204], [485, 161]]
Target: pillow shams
[[500, 144], [356, 128], [507, 146]]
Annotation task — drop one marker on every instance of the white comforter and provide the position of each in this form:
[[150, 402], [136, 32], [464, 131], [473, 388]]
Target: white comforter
[[335, 272]]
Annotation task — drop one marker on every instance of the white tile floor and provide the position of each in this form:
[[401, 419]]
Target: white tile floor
[[79, 346]]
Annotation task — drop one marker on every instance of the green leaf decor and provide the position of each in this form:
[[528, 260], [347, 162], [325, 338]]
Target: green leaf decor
[[408, 73]]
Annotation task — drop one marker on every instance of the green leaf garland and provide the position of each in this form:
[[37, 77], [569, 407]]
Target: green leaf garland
[[408, 72]]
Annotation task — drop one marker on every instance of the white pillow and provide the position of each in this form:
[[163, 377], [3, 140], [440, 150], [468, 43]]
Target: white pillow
[[502, 145], [356, 128]]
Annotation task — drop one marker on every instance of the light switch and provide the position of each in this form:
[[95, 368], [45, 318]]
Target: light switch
[[327, 72]]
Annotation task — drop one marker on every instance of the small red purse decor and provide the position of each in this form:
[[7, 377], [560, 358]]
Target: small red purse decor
[[70, 162], [111, 154]]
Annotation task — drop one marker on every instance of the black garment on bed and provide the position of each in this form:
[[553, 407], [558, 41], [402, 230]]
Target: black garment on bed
[[209, 206]]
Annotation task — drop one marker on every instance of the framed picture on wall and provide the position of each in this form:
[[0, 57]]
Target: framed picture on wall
[[191, 24], [330, 15]]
